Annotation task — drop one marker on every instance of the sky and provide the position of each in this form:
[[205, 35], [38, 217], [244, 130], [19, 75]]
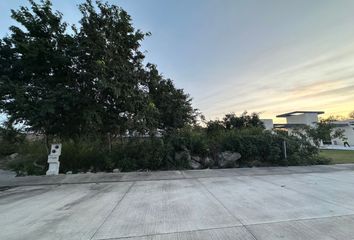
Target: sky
[[269, 57]]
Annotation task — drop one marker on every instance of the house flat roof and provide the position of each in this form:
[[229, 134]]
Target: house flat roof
[[297, 113]]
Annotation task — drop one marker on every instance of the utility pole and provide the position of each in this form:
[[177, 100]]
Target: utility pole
[[284, 148]]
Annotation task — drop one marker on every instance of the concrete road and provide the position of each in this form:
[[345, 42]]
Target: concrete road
[[315, 202]]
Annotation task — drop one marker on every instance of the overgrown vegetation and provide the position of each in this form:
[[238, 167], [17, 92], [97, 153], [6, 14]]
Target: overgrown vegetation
[[90, 89], [257, 147], [89, 81]]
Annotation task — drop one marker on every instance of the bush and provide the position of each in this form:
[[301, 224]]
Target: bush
[[82, 155], [263, 148], [10, 140], [256, 146], [139, 154], [195, 140], [31, 159], [7, 148]]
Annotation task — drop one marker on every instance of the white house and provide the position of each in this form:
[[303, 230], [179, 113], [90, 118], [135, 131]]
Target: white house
[[268, 123], [348, 127], [309, 118], [299, 119], [293, 120]]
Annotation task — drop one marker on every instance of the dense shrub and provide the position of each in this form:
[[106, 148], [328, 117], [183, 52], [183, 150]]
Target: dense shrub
[[256, 146], [7, 148], [259, 147], [10, 140], [195, 140], [139, 154], [31, 159], [83, 155]]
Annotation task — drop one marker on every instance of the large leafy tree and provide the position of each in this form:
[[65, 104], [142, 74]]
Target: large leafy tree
[[109, 68], [231, 121], [174, 108], [89, 81], [36, 86]]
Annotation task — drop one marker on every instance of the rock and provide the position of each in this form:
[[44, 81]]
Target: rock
[[183, 156], [116, 170], [196, 158], [228, 159], [21, 173], [208, 162], [13, 156], [194, 164], [197, 162], [69, 172]]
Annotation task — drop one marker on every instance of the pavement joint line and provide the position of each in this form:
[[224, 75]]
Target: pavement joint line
[[168, 233], [323, 178], [177, 178], [114, 208], [306, 194], [226, 227], [227, 210], [166, 179], [272, 222], [184, 175], [299, 220]]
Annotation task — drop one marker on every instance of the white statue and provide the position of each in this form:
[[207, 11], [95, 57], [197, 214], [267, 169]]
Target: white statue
[[53, 159]]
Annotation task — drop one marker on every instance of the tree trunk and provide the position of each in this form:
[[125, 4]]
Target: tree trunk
[[109, 138], [46, 143]]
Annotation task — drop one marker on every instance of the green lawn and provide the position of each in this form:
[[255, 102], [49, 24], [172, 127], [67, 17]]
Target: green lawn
[[339, 156]]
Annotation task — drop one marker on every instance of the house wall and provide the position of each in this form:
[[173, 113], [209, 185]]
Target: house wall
[[306, 118], [348, 133], [268, 123]]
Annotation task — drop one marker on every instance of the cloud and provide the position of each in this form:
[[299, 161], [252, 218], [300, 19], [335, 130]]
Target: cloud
[[324, 82]]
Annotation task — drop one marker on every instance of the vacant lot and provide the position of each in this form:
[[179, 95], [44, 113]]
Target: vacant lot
[[339, 156], [314, 202]]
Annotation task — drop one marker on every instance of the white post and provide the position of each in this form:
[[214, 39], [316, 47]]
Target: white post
[[53, 159]]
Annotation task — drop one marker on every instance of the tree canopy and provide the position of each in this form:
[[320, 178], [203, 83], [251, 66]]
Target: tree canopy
[[232, 121], [245, 120], [324, 131], [68, 81], [351, 115]]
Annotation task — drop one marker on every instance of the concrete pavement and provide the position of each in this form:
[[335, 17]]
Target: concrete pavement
[[315, 202]]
